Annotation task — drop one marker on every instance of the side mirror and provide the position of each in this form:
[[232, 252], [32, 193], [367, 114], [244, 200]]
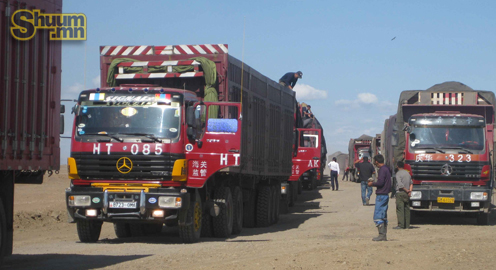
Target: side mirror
[[191, 133], [407, 128], [296, 142], [394, 139], [74, 109], [62, 124], [190, 117], [62, 108], [412, 137]]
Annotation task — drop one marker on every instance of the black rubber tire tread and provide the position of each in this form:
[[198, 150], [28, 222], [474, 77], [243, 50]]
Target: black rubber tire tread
[[223, 223], [291, 193], [153, 228], [88, 230], [483, 219], [313, 182], [136, 229], [299, 187], [238, 210], [122, 230], [249, 209], [207, 227], [264, 206], [191, 233], [277, 201], [3, 232], [284, 204]]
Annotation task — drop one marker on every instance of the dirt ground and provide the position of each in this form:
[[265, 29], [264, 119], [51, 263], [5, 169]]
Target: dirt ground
[[325, 230]]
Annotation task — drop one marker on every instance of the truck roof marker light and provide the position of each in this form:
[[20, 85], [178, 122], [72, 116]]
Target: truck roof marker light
[[162, 90], [146, 90], [98, 89], [113, 89], [130, 90]]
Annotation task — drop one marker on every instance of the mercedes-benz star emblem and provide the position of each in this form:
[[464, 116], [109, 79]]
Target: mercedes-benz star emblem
[[446, 170], [124, 165]]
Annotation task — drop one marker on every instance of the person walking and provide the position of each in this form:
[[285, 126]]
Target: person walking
[[334, 167], [289, 79], [346, 173], [403, 192], [366, 171], [383, 186]]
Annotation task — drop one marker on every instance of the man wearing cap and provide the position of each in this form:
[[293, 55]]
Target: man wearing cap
[[289, 79]]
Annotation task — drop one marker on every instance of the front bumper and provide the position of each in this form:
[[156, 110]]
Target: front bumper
[[461, 194], [146, 203]]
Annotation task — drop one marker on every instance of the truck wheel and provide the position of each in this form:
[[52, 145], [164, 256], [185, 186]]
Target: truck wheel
[[249, 208], [264, 206], [153, 228], [122, 230], [88, 230], [207, 230], [313, 182], [299, 187], [137, 229], [3, 232], [293, 186], [483, 219], [223, 223], [277, 199], [238, 210], [191, 233], [284, 204]]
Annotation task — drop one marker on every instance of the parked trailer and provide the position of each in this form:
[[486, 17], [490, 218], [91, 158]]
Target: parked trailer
[[200, 140], [30, 109], [447, 143]]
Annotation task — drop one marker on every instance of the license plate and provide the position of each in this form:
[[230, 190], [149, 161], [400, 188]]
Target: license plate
[[122, 204], [445, 200]]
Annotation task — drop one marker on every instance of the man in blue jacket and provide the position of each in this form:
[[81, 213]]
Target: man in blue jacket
[[383, 186], [289, 79]]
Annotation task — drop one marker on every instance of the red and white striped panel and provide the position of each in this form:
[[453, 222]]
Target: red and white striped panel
[[158, 75], [159, 63], [447, 98], [164, 50]]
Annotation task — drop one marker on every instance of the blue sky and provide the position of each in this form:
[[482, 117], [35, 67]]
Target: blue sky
[[353, 72]]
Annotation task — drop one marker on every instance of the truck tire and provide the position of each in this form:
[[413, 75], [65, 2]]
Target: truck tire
[[483, 219], [313, 182], [277, 199], [191, 233], [238, 210], [122, 230], [264, 206], [88, 230], [293, 186], [223, 223], [249, 209], [284, 204], [207, 227], [3, 232], [137, 229], [299, 187]]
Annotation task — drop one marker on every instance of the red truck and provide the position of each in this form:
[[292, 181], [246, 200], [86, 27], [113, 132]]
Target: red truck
[[182, 134], [445, 135], [29, 112], [357, 149]]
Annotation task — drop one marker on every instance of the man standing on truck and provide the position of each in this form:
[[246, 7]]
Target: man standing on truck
[[289, 79], [403, 192], [334, 167], [366, 171], [383, 185]]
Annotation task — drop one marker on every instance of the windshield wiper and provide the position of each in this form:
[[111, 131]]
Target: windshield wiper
[[433, 148], [461, 148], [106, 135], [149, 136]]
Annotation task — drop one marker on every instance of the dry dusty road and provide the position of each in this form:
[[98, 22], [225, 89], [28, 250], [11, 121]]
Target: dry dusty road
[[325, 230]]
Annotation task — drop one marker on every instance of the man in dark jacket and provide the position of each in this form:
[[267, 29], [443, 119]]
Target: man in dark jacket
[[289, 79], [366, 170], [383, 186]]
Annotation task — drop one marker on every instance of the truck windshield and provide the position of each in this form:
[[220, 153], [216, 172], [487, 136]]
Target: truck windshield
[[471, 138], [159, 121]]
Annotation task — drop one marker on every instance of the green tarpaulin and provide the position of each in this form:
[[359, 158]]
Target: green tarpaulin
[[209, 72]]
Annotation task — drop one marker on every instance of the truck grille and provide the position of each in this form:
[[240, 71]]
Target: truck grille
[[144, 167], [458, 171]]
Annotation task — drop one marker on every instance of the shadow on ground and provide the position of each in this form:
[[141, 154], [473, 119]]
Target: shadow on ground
[[65, 261], [437, 218]]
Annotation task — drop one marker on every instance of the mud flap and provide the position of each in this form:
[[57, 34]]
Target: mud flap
[[182, 217]]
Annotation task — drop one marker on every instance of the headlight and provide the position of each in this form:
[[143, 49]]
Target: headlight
[[416, 195], [80, 200], [169, 202], [479, 196]]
